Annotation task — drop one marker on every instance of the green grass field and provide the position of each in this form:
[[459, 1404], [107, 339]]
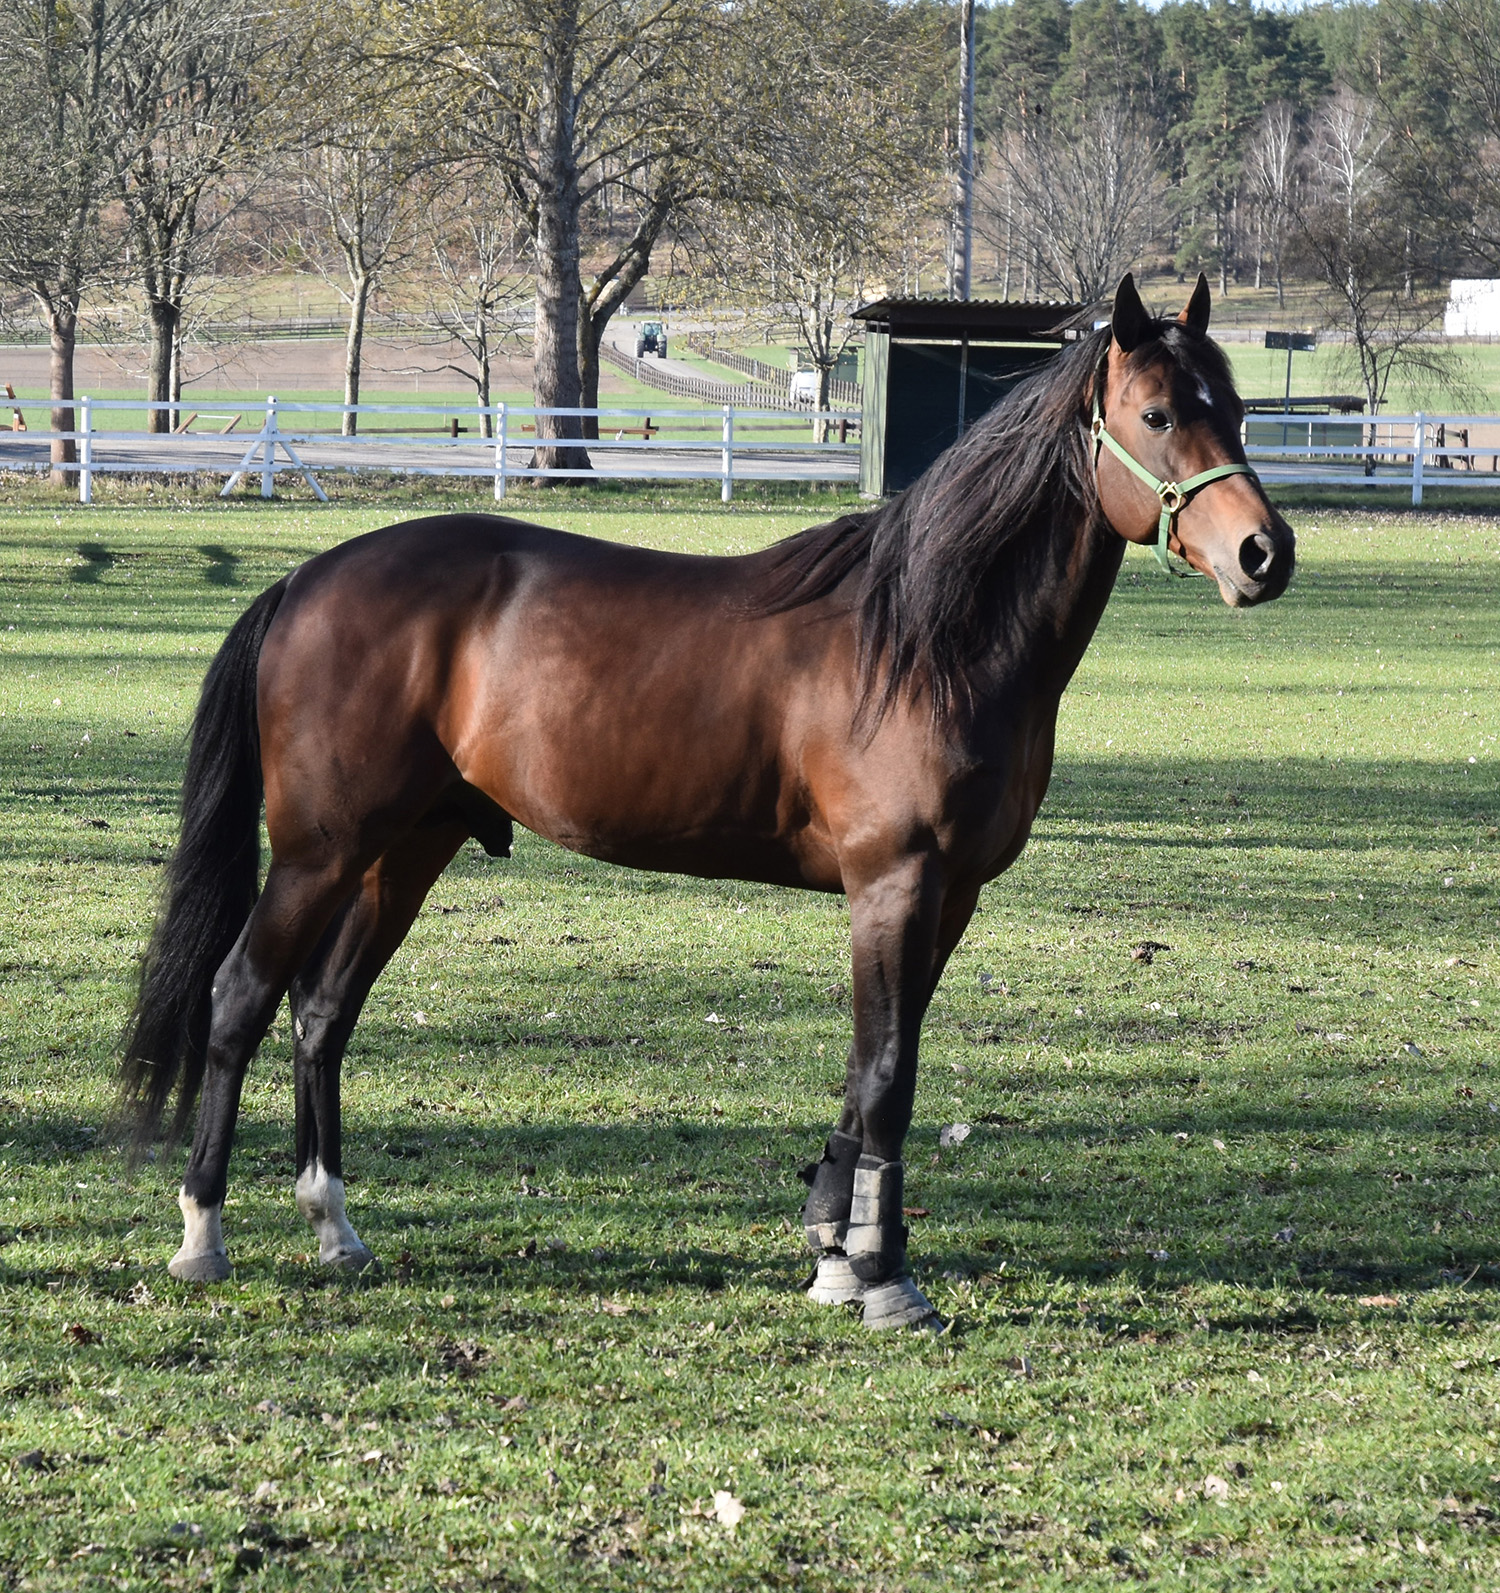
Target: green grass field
[[1219, 1251]]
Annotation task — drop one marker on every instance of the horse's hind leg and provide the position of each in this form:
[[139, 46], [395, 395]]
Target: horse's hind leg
[[326, 1000], [281, 931]]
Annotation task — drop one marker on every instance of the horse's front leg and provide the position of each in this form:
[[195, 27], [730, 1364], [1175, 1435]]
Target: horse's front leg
[[826, 1215]]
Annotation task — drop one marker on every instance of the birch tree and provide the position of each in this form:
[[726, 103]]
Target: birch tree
[[1271, 178]]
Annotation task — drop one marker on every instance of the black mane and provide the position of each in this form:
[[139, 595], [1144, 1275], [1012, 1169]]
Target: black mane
[[931, 569]]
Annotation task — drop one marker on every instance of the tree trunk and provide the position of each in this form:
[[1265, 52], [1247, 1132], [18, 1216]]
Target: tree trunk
[[610, 290], [559, 286], [825, 384], [354, 343], [62, 337], [164, 317], [482, 390]]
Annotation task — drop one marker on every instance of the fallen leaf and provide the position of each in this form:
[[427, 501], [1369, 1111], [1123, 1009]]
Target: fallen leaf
[[953, 1134], [728, 1511], [80, 1334], [1219, 1145], [614, 1308], [1215, 1488], [915, 1211], [517, 1402], [372, 1457], [1285, 1236], [1379, 1299]]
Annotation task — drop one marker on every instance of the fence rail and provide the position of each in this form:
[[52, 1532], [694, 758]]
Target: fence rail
[[1415, 451], [499, 442]]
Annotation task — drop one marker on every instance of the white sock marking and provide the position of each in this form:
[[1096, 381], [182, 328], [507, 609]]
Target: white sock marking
[[320, 1198], [202, 1227]]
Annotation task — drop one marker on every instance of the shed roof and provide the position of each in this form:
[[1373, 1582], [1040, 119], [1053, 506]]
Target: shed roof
[[985, 320]]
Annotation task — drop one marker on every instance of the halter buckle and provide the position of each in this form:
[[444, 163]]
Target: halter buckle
[[1172, 496]]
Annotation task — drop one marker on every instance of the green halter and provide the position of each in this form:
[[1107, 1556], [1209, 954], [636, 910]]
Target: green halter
[[1173, 494]]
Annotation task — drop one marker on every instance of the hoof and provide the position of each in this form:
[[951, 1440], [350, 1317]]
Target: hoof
[[900, 1303], [210, 1266], [350, 1258], [834, 1283]]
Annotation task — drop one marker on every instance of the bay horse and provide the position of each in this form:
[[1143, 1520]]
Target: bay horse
[[867, 707]]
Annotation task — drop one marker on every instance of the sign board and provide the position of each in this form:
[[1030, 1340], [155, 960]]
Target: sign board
[[1303, 342]]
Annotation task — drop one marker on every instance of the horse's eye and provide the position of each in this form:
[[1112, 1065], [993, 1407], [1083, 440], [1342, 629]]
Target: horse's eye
[[1157, 419]]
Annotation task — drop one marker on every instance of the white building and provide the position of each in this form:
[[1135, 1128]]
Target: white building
[[1473, 308]]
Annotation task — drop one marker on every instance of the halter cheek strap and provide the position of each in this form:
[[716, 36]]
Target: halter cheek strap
[[1173, 494]]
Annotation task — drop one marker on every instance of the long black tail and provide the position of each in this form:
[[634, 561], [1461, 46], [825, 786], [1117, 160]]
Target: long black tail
[[211, 885]]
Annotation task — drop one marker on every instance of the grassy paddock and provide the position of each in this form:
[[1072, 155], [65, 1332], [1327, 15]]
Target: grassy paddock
[[1219, 1250]]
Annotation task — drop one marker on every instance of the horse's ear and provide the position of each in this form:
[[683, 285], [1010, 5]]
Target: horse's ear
[[1131, 324], [1195, 311]]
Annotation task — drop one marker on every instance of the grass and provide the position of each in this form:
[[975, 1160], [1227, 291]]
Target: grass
[[1219, 1250]]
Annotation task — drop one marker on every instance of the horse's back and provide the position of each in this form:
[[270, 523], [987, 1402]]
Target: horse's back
[[623, 701]]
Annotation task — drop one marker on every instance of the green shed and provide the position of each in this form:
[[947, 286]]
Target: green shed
[[934, 366]]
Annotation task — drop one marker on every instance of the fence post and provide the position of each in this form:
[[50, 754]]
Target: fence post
[[1418, 450], [268, 458], [500, 431], [726, 459], [86, 453]]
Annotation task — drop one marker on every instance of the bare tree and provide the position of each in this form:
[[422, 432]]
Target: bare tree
[[360, 182], [1271, 178], [481, 295], [828, 181], [1084, 202], [570, 99], [53, 171], [1354, 242], [185, 94]]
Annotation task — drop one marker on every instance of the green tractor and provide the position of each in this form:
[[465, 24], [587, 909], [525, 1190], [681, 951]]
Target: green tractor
[[651, 339]]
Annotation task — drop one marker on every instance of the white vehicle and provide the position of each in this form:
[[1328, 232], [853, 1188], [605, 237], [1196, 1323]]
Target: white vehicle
[[804, 388]]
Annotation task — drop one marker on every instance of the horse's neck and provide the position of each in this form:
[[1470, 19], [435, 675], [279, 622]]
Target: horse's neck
[[1050, 623]]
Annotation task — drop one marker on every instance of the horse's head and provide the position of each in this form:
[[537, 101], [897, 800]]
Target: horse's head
[[1170, 467]]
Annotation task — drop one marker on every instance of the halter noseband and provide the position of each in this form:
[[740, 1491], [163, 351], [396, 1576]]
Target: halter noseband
[[1173, 494]]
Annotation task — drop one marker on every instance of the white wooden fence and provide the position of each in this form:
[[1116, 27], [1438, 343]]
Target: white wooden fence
[[1408, 451], [726, 444]]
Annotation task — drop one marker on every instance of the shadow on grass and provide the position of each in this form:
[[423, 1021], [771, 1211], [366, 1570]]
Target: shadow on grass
[[223, 566], [97, 560], [592, 1208]]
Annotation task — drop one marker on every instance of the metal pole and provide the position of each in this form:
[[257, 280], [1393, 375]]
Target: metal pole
[[963, 381], [86, 454], [268, 458], [500, 456], [726, 459], [963, 243], [1288, 373]]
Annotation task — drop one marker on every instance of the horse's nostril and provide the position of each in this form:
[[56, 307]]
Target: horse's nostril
[[1257, 555]]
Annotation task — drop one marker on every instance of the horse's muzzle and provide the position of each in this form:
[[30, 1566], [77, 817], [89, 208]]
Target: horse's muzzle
[[1265, 562]]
